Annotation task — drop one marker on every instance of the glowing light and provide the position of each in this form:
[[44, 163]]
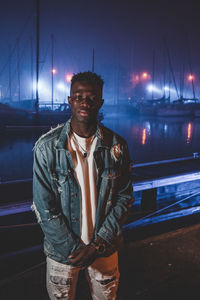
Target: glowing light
[[41, 85], [166, 88], [68, 77], [152, 88], [165, 128], [53, 71], [44, 89], [144, 136], [61, 86], [190, 77], [145, 76], [189, 133], [137, 77], [148, 127]]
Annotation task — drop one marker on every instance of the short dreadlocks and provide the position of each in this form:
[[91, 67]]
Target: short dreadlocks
[[89, 77]]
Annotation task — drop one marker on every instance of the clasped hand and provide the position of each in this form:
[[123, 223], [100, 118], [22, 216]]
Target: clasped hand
[[83, 256]]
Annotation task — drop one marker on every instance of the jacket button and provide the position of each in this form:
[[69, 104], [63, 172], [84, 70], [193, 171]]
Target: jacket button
[[74, 219]]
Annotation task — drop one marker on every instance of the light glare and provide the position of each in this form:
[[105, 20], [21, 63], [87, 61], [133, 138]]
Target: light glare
[[190, 77], [61, 87], [68, 77], [54, 71]]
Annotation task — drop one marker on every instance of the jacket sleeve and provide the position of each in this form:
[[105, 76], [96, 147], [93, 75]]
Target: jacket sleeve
[[111, 228], [54, 225]]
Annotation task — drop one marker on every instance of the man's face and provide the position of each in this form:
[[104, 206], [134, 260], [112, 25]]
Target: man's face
[[85, 101]]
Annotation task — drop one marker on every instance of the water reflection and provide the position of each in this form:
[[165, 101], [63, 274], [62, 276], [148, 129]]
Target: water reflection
[[144, 136], [152, 139], [189, 133], [16, 155], [146, 131], [149, 139]]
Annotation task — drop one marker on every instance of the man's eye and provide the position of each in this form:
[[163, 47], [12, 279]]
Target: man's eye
[[90, 98], [93, 98], [79, 97]]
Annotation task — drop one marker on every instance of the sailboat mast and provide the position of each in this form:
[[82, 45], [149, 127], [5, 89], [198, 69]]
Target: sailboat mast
[[193, 90], [153, 74], [37, 53], [191, 71], [164, 74], [18, 71], [9, 73], [187, 42], [31, 50], [52, 71], [93, 60], [171, 68]]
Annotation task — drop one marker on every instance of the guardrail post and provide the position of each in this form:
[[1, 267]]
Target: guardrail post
[[149, 198]]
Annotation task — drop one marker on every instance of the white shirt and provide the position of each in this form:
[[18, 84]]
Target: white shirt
[[85, 173]]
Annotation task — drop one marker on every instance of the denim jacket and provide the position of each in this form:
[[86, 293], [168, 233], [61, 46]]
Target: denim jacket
[[57, 195]]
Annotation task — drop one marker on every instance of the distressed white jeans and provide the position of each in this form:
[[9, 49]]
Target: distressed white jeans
[[102, 276]]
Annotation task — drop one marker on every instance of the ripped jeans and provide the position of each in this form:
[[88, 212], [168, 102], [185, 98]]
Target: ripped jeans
[[102, 275]]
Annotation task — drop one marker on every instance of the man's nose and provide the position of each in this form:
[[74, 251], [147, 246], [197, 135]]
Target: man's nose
[[86, 101]]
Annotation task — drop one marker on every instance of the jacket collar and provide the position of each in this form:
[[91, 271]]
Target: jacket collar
[[103, 140], [64, 135]]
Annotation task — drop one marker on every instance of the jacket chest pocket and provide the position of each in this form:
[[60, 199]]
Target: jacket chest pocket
[[110, 179], [59, 178]]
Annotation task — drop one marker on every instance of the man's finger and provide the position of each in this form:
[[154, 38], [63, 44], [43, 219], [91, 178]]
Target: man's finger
[[75, 253], [77, 258]]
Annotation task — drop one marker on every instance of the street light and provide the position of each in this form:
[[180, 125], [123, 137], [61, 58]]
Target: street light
[[68, 77], [190, 77], [54, 71], [144, 75]]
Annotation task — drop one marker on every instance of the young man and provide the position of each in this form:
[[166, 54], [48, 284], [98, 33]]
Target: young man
[[81, 195]]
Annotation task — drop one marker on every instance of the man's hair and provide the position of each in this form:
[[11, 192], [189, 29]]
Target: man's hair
[[89, 77]]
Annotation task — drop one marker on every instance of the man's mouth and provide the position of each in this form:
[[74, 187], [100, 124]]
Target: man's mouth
[[84, 113]]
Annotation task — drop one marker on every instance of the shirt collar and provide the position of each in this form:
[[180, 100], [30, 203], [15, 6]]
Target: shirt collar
[[103, 140]]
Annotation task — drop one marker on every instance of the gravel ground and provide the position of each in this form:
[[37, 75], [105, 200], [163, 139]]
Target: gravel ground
[[166, 266]]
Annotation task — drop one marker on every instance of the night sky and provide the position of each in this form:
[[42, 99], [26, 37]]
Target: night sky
[[125, 35]]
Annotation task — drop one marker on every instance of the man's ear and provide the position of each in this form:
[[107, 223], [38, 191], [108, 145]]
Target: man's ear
[[101, 103], [69, 100]]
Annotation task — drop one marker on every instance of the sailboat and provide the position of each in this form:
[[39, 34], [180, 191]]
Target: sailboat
[[182, 107], [21, 118]]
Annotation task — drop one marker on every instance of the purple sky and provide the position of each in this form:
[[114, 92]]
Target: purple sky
[[124, 35]]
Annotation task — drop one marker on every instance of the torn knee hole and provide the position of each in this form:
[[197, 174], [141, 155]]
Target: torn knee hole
[[106, 281], [61, 295], [60, 280]]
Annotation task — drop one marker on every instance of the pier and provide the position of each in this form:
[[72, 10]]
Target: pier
[[147, 178], [156, 252], [165, 266]]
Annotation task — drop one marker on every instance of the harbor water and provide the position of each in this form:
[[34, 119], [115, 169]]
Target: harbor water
[[149, 139]]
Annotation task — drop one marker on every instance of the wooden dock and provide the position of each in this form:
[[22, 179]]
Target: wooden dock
[[147, 178], [18, 225], [165, 267]]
